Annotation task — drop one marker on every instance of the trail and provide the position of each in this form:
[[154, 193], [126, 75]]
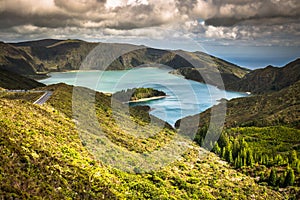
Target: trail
[[41, 100]]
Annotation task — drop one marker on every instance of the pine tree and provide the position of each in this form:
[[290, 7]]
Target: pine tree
[[266, 160], [293, 158], [223, 140], [262, 177], [230, 158], [279, 160], [223, 152], [235, 148], [290, 177], [250, 160], [298, 166], [280, 181], [228, 155], [273, 177], [217, 149], [237, 162]]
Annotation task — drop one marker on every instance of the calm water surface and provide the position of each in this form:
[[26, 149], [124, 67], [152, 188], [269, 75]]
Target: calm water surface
[[185, 97]]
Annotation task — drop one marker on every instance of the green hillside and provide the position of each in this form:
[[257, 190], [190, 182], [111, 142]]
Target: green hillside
[[42, 56], [269, 79], [258, 81], [43, 156], [11, 80], [260, 137], [16, 60], [277, 108]]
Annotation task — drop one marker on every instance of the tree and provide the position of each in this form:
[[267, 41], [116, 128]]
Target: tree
[[223, 152], [279, 160], [293, 157], [298, 166], [290, 177], [262, 177], [250, 160], [238, 162], [217, 149], [229, 156], [273, 177], [223, 140]]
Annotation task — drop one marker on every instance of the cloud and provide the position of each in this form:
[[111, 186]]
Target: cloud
[[232, 12], [273, 21]]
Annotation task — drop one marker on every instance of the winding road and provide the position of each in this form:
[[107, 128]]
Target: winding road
[[43, 98]]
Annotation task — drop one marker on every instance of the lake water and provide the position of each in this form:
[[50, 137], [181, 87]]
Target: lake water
[[185, 97]]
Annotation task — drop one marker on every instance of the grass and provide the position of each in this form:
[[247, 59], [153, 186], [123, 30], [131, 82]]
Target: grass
[[43, 156], [28, 96]]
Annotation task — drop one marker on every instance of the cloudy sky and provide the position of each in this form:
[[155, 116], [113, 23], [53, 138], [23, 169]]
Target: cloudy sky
[[251, 33]]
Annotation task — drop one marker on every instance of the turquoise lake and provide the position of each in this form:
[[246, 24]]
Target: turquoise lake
[[185, 97]]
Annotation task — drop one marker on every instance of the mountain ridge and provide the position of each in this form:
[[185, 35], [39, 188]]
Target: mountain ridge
[[62, 55]]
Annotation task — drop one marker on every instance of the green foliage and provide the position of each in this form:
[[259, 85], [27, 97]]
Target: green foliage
[[28, 96], [43, 157], [13, 81], [290, 177], [248, 148], [273, 177], [137, 94], [275, 109]]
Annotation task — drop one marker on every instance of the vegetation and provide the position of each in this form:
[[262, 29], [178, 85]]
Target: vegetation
[[277, 108], [12, 81], [30, 96], [36, 57], [137, 94], [259, 81], [43, 156], [260, 137], [269, 154], [269, 79]]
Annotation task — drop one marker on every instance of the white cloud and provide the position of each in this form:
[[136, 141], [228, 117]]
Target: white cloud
[[271, 21]]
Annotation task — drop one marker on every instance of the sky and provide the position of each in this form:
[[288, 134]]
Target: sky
[[250, 33]]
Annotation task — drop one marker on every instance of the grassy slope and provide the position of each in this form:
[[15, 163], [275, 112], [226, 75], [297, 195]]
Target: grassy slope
[[270, 125], [28, 96], [206, 69], [16, 60], [43, 156], [269, 79], [259, 81], [278, 108], [11, 80]]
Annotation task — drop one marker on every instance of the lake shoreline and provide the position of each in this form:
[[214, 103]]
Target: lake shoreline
[[147, 99]]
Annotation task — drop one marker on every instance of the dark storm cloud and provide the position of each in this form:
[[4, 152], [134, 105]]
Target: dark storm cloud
[[232, 12], [223, 19], [61, 13]]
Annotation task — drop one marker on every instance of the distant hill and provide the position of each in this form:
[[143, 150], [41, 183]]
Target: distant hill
[[16, 60], [11, 80], [268, 79], [33, 57], [57, 55], [258, 81], [277, 108], [194, 65]]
